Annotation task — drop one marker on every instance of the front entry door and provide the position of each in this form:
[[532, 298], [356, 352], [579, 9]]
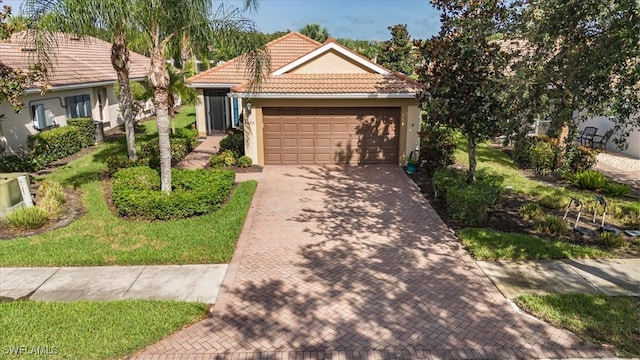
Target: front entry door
[[216, 108]]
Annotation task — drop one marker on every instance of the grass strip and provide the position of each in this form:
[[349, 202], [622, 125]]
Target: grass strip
[[612, 321], [89, 330], [491, 245]]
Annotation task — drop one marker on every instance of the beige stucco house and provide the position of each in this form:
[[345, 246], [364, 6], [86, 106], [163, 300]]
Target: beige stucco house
[[80, 85], [320, 104]]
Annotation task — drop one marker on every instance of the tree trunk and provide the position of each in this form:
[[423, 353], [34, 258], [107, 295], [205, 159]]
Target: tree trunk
[[120, 62], [471, 149], [159, 80]]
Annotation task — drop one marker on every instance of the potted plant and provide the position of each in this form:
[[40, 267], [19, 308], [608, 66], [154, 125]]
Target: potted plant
[[412, 165]]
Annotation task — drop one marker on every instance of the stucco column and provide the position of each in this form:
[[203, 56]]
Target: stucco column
[[201, 119]]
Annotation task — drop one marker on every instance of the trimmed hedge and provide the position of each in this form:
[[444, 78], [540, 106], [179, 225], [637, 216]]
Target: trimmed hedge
[[182, 143], [467, 203], [55, 144], [86, 130], [233, 142], [136, 192]]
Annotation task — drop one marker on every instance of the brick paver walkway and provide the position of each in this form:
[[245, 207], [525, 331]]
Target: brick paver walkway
[[355, 264]]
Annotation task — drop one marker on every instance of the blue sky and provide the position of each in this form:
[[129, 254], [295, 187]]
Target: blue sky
[[356, 19]]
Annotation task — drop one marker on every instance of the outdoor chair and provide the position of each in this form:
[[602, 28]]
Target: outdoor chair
[[600, 141], [587, 135]]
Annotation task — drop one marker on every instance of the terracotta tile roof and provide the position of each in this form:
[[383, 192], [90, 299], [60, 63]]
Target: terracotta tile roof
[[76, 60], [282, 51], [294, 46], [335, 84]]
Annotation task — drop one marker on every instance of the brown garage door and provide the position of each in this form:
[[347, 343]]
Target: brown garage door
[[355, 135]]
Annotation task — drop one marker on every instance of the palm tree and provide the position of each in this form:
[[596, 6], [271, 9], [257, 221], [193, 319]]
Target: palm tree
[[167, 21], [94, 17], [316, 32]]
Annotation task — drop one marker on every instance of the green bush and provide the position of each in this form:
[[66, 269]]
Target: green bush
[[52, 189], [179, 149], [233, 142], [15, 163], [611, 240], [115, 163], [616, 189], [541, 157], [55, 144], [216, 161], [27, 218], [629, 216], [229, 157], [245, 161], [189, 133], [589, 180], [530, 211], [581, 158], [136, 192], [86, 130], [551, 225], [437, 148], [522, 149], [467, 203]]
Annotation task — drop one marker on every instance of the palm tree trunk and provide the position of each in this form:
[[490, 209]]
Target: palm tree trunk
[[120, 63], [159, 80]]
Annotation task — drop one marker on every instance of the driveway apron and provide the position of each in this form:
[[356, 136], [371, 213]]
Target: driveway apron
[[353, 263]]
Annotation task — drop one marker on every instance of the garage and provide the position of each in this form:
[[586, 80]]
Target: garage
[[331, 135]]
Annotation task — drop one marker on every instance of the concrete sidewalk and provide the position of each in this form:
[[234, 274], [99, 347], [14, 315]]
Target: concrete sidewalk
[[173, 282], [603, 276]]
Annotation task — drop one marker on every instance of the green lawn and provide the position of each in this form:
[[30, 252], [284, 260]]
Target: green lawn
[[491, 245], [101, 238], [607, 320], [89, 330]]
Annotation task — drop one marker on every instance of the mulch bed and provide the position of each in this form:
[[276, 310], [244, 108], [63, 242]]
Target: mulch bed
[[504, 216]]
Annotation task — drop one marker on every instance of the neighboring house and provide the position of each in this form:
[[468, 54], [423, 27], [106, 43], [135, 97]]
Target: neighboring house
[[79, 85], [321, 104]]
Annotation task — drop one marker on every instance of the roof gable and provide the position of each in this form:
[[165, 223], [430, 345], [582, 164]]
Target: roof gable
[[332, 46], [331, 62]]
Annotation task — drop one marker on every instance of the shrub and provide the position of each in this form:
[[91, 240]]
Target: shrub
[[530, 211], [55, 144], [135, 192], [611, 240], [551, 225], [541, 157], [86, 130], [581, 158], [467, 203], [51, 189], [616, 189], [179, 149], [589, 180], [245, 161], [190, 134], [522, 149], [15, 163], [233, 142], [115, 163], [554, 201], [229, 157], [27, 218], [437, 148], [216, 161]]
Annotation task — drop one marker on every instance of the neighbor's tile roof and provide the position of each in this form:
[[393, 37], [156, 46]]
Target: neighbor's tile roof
[[282, 51], [335, 84], [76, 60]]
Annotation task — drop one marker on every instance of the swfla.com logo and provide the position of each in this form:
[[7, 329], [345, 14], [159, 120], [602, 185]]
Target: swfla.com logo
[[30, 350]]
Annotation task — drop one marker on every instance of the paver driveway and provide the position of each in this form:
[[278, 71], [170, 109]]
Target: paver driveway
[[355, 264]]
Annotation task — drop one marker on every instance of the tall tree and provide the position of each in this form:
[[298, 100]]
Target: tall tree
[[114, 18], [396, 53], [316, 32], [583, 54], [464, 74], [164, 21]]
